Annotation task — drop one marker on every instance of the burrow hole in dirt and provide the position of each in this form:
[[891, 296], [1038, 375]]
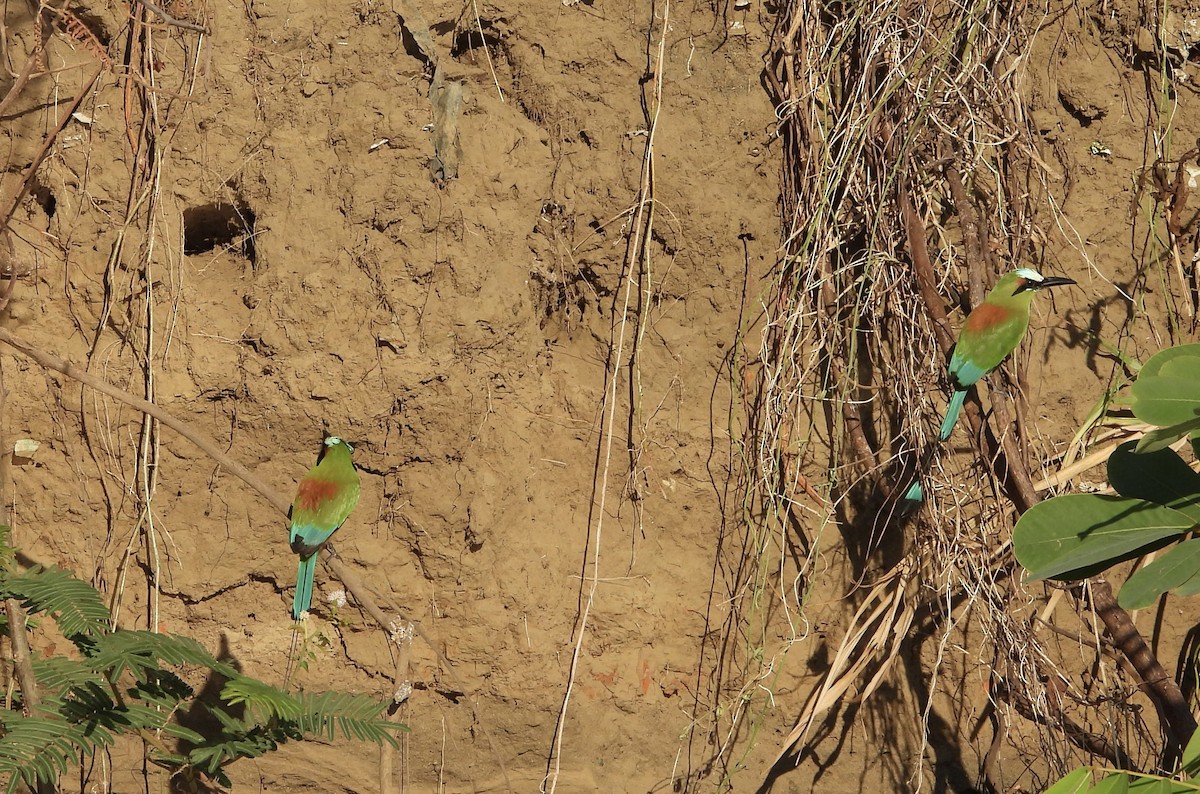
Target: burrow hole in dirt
[[483, 44], [45, 199], [224, 225], [489, 44], [466, 41]]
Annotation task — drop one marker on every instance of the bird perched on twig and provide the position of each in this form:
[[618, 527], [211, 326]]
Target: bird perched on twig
[[324, 500], [992, 331]]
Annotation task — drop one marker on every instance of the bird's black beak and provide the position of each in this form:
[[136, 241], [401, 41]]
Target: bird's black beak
[[1029, 285], [1054, 281]]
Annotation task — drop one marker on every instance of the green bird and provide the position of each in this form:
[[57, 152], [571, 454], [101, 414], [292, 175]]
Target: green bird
[[992, 331], [324, 500]]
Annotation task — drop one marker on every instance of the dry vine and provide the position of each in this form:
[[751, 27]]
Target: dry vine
[[909, 169]]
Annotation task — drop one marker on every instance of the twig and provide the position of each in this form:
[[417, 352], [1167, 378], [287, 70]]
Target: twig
[[1095, 743], [976, 256], [26, 72], [1172, 706], [15, 202], [170, 20], [206, 445], [1018, 480], [918, 250], [23, 661], [22, 658], [640, 226], [486, 52], [388, 768]]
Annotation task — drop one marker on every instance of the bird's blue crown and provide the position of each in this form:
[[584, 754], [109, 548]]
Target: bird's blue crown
[[1029, 274]]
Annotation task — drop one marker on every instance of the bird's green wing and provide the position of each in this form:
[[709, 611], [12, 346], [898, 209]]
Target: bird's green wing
[[989, 335], [324, 500]]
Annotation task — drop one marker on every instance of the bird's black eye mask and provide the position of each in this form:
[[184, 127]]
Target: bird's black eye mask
[[1028, 284]]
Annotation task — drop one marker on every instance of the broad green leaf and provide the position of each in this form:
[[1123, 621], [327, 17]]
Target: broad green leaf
[[1189, 588], [1151, 785], [1190, 761], [1075, 782], [1173, 569], [1164, 437], [1117, 783], [1161, 477], [1063, 536], [1164, 400], [1160, 359], [1186, 367]]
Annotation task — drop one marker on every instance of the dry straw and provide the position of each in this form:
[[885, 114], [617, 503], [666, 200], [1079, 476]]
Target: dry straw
[[911, 176]]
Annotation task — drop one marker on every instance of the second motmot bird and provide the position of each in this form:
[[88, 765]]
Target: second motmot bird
[[992, 331], [324, 500]]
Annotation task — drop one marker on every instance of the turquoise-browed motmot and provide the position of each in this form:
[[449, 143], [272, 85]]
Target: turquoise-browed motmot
[[992, 331], [324, 499]]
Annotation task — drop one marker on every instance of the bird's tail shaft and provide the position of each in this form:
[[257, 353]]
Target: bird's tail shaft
[[952, 410], [304, 585], [915, 493]]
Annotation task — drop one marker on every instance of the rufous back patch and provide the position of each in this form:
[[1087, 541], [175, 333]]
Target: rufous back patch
[[313, 492], [985, 316]]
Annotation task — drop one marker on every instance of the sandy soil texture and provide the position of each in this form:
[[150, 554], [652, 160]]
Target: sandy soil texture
[[432, 229]]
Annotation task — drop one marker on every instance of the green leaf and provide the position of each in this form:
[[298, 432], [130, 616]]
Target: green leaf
[[356, 715], [1183, 366], [38, 747], [1074, 782], [75, 605], [1160, 359], [182, 733], [1117, 783], [140, 651], [8, 555], [210, 758], [57, 674], [82, 709], [1189, 588], [1168, 572], [1153, 785], [1062, 537], [1165, 401], [1161, 477], [1189, 762], [1164, 437], [263, 700], [161, 687]]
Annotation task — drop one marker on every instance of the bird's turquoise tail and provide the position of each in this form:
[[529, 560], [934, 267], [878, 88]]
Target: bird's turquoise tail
[[304, 585], [915, 493], [956, 404]]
